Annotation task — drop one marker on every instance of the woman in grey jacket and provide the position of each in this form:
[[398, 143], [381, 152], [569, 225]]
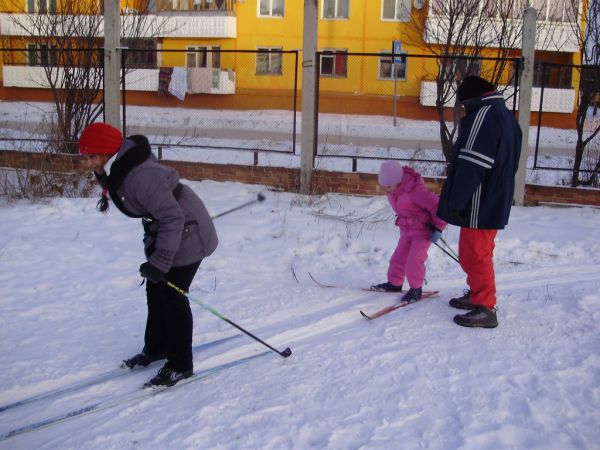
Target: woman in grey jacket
[[178, 234]]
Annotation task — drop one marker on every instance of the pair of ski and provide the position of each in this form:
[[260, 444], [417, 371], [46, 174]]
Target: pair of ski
[[119, 399], [387, 309]]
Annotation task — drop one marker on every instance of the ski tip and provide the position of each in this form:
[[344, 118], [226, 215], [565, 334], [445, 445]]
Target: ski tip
[[287, 352], [365, 315], [260, 197]]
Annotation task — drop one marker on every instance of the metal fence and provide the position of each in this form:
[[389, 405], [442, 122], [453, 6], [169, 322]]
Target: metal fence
[[247, 101], [200, 83], [388, 91], [570, 152]]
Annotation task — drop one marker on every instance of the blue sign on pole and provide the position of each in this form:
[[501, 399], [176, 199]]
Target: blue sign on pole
[[396, 48]]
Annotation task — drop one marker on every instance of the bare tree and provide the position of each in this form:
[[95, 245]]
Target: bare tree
[[586, 26], [469, 37], [64, 38]]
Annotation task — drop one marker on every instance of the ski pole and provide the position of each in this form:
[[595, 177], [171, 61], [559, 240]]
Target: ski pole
[[259, 198], [447, 253], [285, 353], [448, 247], [451, 255]]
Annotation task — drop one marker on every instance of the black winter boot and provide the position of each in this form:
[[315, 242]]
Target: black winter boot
[[142, 359], [412, 295], [479, 317], [168, 377], [386, 287], [463, 302]]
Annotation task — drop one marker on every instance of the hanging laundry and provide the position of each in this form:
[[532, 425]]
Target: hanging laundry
[[178, 85], [164, 79], [200, 80], [216, 80]]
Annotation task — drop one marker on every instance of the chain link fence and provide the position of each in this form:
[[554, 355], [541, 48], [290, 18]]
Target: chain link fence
[[202, 97], [396, 98], [209, 98], [578, 152]]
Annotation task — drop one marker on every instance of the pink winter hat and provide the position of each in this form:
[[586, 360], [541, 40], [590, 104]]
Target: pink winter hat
[[390, 173]]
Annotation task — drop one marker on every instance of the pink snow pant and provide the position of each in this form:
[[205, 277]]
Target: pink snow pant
[[476, 253], [409, 260]]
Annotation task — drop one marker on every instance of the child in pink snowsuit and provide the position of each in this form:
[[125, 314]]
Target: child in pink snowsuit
[[415, 207]]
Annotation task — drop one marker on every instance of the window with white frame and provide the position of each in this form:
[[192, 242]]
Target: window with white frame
[[203, 56], [334, 63], [269, 61], [396, 10], [387, 66], [41, 6], [270, 8], [336, 9]]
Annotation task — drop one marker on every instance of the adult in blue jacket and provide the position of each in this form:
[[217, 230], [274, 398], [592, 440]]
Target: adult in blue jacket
[[478, 193]]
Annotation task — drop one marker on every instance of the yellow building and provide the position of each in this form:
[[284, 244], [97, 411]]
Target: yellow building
[[247, 53]]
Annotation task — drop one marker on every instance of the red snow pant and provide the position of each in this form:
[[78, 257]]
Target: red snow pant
[[476, 252], [409, 260]]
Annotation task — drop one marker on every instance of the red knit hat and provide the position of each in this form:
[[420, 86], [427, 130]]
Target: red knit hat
[[100, 139]]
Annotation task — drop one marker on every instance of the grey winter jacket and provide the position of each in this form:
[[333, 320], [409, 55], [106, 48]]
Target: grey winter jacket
[[177, 227]]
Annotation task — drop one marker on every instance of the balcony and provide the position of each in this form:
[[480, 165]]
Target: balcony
[[555, 100], [202, 80], [168, 24], [549, 36]]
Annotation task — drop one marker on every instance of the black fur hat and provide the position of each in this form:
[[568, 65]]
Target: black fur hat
[[472, 87]]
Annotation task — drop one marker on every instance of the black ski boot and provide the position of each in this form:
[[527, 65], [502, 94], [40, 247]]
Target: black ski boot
[[168, 377], [463, 302], [412, 295], [386, 287], [479, 317], [142, 359]]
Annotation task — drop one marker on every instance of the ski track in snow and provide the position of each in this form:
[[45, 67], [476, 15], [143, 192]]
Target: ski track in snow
[[411, 379]]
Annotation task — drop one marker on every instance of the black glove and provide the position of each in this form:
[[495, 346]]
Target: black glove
[[457, 215], [151, 273]]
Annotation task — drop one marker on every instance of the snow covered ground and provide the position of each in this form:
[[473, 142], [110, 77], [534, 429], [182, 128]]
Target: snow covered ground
[[71, 307]]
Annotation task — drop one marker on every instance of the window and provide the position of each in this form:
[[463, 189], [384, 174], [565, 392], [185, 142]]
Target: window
[[334, 63], [336, 9], [270, 8], [41, 55], [41, 6], [386, 64], [269, 61], [459, 68], [179, 5], [398, 10], [541, 74], [439, 7], [555, 10], [540, 6], [141, 53], [203, 56]]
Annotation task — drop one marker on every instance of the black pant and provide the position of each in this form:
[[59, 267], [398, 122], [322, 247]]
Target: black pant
[[169, 325]]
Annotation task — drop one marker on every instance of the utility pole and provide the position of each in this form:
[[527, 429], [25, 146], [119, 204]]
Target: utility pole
[[308, 139], [112, 63], [525, 88]]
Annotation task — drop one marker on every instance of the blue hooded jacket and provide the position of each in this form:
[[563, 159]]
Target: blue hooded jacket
[[478, 192]]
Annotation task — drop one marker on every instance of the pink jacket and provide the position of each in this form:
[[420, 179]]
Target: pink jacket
[[415, 205]]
